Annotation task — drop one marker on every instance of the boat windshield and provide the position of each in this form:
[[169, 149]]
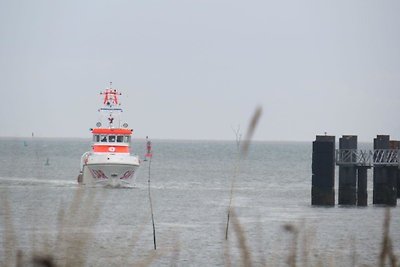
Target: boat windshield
[[111, 138]]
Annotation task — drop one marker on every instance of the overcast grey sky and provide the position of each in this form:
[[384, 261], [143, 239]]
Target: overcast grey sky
[[192, 69]]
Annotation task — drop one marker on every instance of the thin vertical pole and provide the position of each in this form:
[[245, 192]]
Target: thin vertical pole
[[151, 209]]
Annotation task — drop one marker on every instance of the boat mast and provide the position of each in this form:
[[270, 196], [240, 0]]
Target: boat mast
[[111, 111]]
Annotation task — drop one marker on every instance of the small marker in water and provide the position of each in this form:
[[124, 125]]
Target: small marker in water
[[149, 153]]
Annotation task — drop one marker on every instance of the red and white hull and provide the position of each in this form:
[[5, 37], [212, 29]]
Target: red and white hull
[[109, 170]]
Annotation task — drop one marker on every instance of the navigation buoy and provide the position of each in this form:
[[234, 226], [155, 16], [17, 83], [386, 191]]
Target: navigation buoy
[[149, 152]]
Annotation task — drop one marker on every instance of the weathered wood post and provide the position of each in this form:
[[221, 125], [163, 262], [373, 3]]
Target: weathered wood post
[[385, 189], [323, 171], [394, 144], [398, 183], [362, 193], [348, 172]]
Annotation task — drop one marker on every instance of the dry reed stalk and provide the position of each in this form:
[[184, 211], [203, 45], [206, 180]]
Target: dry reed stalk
[[72, 247], [242, 153], [156, 254], [292, 257], [227, 254], [136, 236], [175, 253], [307, 235], [10, 241], [387, 248], [354, 252], [263, 260], [20, 258], [65, 241], [79, 247], [235, 174], [244, 248], [43, 260], [250, 131]]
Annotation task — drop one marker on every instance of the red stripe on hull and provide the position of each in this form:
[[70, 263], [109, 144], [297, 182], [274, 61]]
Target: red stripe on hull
[[111, 149], [112, 131]]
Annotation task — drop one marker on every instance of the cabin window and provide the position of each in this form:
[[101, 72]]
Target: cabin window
[[103, 138], [127, 139], [111, 138], [120, 138], [96, 138]]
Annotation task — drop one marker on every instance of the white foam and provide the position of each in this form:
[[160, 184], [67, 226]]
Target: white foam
[[36, 181]]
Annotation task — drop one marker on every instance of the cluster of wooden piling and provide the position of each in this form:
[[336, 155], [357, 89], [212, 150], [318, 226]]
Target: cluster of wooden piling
[[352, 177], [353, 169]]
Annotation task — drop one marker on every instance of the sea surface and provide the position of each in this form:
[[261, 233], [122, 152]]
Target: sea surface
[[45, 212]]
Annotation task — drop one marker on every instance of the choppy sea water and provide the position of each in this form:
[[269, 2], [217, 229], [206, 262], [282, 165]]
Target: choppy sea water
[[190, 188]]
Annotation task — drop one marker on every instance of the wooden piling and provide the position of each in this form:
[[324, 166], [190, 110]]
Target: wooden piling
[[362, 193], [323, 171], [348, 173], [394, 144], [398, 183], [385, 177]]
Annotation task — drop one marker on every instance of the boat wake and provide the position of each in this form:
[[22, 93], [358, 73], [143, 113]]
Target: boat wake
[[119, 186], [31, 181]]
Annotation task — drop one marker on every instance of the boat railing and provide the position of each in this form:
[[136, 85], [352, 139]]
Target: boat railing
[[84, 158]]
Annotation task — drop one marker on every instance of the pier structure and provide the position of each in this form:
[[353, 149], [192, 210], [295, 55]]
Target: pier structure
[[323, 171], [395, 145], [386, 169], [347, 194], [353, 169]]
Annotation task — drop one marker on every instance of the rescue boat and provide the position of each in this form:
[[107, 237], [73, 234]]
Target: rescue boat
[[110, 162]]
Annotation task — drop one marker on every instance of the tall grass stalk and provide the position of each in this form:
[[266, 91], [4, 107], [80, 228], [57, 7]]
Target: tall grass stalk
[[70, 248], [387, 247], [75, 244], [235, 173], [292, 258], [242, 153], [241, 236], [10, 242]]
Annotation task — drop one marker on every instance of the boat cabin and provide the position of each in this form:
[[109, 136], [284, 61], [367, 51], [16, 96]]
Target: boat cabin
[[111, 140]]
